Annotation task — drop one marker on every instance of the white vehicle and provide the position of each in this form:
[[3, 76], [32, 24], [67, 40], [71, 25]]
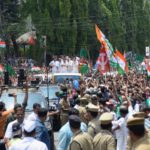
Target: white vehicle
[[60, 77]]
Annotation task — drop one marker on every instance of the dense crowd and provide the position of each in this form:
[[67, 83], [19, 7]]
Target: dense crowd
[[100, 113]]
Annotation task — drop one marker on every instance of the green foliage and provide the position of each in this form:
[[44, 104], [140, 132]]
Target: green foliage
[[69, 25]]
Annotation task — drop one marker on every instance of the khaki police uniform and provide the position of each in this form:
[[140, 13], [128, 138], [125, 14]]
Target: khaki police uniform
[[81, 141], [93, 125], [104, 140], [82, 109], [64, 110], [144, 142]]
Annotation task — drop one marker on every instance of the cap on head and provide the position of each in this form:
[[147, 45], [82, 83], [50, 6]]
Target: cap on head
[[29, 126], [91, 107], [106, 118], [139, 115], [135, 121]]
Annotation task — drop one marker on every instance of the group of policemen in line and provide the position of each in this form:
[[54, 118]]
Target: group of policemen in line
[[110, 113]]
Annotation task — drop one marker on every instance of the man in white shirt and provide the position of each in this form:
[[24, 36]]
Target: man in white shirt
[[55, 65], [119, 127], [20, 113], [28, 142], [33, 116]]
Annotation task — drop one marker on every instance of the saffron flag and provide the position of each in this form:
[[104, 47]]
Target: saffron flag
[[2, 44], [148, 71], [100, 35], [103, 61], [1, 69]]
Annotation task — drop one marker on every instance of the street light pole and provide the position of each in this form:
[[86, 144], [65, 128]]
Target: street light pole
[[45, 61]]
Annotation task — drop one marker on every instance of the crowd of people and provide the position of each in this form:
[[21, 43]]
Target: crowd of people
[[108, 113], [65, 64]]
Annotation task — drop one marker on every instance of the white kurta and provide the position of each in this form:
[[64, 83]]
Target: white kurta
[[75, 67], [32, 117], [53, 65], [121, 134], [63, 67], [29, 143]]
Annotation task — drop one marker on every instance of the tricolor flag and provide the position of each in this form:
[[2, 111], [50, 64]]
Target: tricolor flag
[[2, 44], [108, 47], [122, 63], [35, 69], [148, 71]]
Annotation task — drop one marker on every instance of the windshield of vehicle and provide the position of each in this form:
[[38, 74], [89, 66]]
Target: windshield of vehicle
[[33, 97], [50, 90], [62, 78]]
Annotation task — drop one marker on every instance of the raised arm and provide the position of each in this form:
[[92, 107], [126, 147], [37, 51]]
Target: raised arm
[[25, 101]]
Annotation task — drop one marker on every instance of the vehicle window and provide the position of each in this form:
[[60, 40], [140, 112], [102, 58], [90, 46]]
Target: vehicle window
[[33, 97], [51, 89], [60, 79]]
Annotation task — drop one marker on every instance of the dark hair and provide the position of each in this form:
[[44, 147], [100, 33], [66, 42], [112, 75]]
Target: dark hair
[[106, 126], [123, 111], [17, 106], [73, 111], [146, 109], [93, 114], [102, 101], [2, 105], [35, 105], [74, 122], [42, 112], [138, 130], [77, 101]]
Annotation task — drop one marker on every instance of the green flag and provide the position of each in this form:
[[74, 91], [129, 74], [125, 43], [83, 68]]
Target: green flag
[[83, 53], [10, 70], [84, 69]]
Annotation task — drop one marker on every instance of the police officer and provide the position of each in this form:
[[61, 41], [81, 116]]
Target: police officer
[[105, 140], [139, 139], [81, 140], [64, 108], [92, 117]]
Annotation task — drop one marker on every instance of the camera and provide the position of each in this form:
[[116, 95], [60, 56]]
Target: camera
[[10, 95]]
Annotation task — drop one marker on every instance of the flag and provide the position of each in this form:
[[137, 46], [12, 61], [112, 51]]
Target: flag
[[1, 69], [84, 69], [27, 38], [83, 53], [83, 65], [2, 44], [109, 48], [10, 70], [100, 35], [103, 61], [122, 65], [35, 69], [148, 71]]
